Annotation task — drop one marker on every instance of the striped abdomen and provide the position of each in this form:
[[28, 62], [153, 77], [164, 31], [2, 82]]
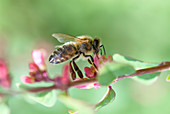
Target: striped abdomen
[[67, 51]]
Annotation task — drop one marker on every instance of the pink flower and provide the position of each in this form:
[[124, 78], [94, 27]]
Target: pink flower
[[33, 67], [64, 79], [66, 74], [87, 86], [91, 72], [96, 85], [102, 60], [5, 79], [38, 58], [37, 68], [38, 71], [27, 79]]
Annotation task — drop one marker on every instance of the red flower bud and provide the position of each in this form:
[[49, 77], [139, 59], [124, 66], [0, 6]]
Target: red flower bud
[[38, 58], [5, 79], [65, 74], [37, 68], [90, 72], [96, 60], [110, 58], [33, 67], [27, 79]]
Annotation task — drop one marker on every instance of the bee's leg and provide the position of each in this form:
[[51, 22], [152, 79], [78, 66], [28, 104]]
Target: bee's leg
[[101, 52], [76, 68], [73, 74], [103, 49], [91, 60]]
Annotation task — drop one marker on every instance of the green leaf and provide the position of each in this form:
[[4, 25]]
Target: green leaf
[[149, 76], [78, 105], [137, 65], [110, 71], [4, 109], [33, 85], [73, 112], [108, 98], [168, 78], [47, 99], [22, 86]]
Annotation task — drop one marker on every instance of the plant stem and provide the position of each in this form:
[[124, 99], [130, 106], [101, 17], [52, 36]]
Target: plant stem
[[162, 67], [41, 89], [147, 71]]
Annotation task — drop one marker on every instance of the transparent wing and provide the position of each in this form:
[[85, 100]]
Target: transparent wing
[[58, 46], [64, 37]]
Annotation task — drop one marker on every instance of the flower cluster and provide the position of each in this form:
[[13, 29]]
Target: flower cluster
[[38, 71], [37, 68], [5, 79], [91, 72], [65, 78]]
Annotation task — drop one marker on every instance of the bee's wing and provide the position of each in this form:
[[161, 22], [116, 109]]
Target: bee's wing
[[64, 37], [58, 46]]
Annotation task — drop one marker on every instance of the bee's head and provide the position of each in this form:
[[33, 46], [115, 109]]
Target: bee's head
[[96, 45]]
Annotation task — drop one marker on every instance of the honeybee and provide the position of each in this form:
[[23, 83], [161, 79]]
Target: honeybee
[[73, 47]]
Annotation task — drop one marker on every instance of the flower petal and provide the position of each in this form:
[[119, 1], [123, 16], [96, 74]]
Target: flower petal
[[65, 74], [38, 58], [66, 70], [88, 86], [88, 72], [33, 68], [104, 58], [27, 79], [96, 60], [3, 69], [5, 79], [96, 85], [109, 57]]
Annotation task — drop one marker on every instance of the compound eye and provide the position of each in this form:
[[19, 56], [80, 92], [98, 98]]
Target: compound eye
[[96, 43]]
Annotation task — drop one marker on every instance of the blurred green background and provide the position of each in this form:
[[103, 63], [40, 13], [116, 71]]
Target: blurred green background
[[137, 28]]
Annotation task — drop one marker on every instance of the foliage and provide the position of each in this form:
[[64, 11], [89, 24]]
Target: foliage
[[107, 70]]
